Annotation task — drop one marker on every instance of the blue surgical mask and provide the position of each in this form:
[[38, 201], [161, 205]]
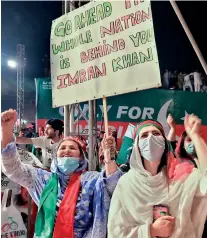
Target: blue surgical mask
[[152, 147], [190, 149], [67, 165]]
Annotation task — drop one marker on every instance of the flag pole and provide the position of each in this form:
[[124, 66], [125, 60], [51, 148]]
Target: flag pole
[[189, 35]]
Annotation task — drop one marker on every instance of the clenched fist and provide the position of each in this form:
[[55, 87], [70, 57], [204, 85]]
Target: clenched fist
[[8, 120]]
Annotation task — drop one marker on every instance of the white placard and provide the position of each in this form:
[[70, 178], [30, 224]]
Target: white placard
[[103, 49]]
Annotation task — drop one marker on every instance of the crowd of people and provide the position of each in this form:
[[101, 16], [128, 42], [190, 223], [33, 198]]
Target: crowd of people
[[194, 82], [163, 193]]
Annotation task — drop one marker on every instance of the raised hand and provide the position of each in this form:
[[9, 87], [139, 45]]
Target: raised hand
[[171, 121], [8, 120], [192, 125]]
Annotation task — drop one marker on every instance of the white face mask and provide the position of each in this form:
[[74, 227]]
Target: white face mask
[[152, 147]]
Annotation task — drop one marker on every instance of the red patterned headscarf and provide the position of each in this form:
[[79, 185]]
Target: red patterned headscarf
[[77, 140]]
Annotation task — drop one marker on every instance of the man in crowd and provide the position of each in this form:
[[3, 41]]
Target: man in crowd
[[180, 81], [204, 88], [197, 81], [48, 143], [166, 79], [173, 80], [187, 83]]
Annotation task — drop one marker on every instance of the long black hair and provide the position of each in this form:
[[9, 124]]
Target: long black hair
[[164, 158], [183, 153]]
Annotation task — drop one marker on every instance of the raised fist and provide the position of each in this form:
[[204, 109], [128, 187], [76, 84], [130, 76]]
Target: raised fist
[[192, 125], [8, 120]]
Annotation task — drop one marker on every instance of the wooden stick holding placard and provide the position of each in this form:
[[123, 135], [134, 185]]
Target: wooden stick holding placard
[[106, 123]]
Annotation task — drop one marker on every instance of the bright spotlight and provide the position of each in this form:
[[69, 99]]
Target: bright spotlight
[[12, 63]]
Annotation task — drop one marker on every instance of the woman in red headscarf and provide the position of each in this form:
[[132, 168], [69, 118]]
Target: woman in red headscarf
[[72, 203]]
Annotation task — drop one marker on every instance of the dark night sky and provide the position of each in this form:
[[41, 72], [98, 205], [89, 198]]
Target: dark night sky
[[29, 23]]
